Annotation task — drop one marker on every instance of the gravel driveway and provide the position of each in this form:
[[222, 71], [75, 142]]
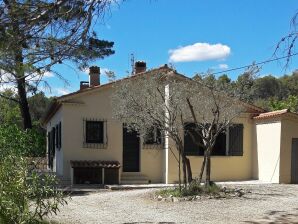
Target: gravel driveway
[[265, 204]]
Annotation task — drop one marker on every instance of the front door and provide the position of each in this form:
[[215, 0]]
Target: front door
[[131, 151], [294, 162]]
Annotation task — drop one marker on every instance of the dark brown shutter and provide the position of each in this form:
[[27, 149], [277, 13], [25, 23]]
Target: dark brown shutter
[[56, 136], [49, 149], [60, 135], [236, 140]]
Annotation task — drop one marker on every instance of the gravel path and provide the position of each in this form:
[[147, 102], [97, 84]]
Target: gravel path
[[266, 204]]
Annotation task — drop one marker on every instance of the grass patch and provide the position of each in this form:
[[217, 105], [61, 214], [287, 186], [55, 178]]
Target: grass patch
[[192, 190]]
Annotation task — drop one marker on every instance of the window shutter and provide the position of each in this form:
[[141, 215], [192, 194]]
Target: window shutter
[[60, 135], [49, 148], [236, 140], [57, 137]]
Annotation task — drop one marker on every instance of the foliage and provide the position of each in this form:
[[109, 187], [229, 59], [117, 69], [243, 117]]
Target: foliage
[[290, 103], [24, 143], [10, 115], [36, 35], [9, 110], [268, 92], [25, 195]]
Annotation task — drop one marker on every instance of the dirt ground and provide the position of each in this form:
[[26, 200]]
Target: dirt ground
[[267, 203]]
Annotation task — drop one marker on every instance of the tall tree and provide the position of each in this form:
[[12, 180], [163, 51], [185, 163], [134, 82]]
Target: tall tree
[[35, 35]]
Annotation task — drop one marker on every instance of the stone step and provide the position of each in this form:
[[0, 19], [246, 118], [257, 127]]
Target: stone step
[[134, 182], [134, 178]]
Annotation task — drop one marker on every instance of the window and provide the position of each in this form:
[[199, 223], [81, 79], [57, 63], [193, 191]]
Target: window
[[153, 137], [191, 140], [220, 146], [95, 134], [228, 143]]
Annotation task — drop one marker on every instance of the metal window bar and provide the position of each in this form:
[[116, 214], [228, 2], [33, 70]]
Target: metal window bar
[[103, 145]]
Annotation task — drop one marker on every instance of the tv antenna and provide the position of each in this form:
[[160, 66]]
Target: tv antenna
[[132, 61]]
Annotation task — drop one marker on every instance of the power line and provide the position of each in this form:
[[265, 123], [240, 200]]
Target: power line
[[259, 63]]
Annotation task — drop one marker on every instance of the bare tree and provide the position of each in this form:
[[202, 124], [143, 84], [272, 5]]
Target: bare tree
[[212, 111], [286, 47], [169, 101], [154, 100], [36, 35]]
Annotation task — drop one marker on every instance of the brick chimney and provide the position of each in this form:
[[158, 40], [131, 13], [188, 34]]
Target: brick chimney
[[140, 66], [94, 73]]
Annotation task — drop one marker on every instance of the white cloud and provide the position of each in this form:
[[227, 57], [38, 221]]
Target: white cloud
[[223, 66], [102, 70], [56, 91], [199, 52], [48, 74], [62, 91]]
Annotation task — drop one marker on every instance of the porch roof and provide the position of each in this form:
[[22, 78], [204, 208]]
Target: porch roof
[[94, 164]]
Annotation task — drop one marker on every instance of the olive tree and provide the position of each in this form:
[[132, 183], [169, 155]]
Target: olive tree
[[169, 101], [212, 111], [153, 100]]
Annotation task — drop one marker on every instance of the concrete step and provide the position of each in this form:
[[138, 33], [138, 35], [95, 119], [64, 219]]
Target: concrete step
[[134, 178]]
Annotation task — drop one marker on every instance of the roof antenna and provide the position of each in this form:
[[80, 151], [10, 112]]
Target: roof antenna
[[132, 61]]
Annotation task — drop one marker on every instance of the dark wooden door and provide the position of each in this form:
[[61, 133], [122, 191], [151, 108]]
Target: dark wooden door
[[294, 162], [131, 151]]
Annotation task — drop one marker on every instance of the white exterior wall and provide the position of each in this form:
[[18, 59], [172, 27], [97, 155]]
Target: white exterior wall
[[97, 105], [268, 150]]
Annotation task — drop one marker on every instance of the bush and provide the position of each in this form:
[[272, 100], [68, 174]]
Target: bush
[[30, 143], [26, 196]]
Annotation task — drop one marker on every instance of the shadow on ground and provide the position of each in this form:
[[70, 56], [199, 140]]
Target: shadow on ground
[[277, 217]]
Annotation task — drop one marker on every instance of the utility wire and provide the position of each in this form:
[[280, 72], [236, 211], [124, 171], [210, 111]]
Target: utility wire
[[258, 63]]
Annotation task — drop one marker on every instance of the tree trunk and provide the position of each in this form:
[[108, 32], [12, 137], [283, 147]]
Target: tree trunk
[[208, 168], [23, 103], [202, 168], [179, 170], [184, 171], [189, 172]]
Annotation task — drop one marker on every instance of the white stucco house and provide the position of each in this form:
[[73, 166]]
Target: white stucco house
[[86, 145]]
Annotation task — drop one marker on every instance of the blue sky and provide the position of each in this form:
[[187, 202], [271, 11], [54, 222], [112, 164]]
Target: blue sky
[[193, 35]]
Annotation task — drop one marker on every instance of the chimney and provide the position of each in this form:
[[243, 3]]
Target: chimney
[[94, 73], [84, 85], [140, 66]]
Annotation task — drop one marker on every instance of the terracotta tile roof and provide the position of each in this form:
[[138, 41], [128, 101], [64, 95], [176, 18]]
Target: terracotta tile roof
[[165, 68], [274, 114], [94, 164]]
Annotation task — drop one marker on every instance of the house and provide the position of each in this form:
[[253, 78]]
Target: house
[[87, 145]]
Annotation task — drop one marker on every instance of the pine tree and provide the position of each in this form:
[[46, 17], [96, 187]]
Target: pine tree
[[35, 35]]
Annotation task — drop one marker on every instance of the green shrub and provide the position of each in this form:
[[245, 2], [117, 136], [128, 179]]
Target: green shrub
[[193, 189], [26, 196], [30, 143]]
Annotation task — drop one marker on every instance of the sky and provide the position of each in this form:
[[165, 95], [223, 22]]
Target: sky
[[193, 36]]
